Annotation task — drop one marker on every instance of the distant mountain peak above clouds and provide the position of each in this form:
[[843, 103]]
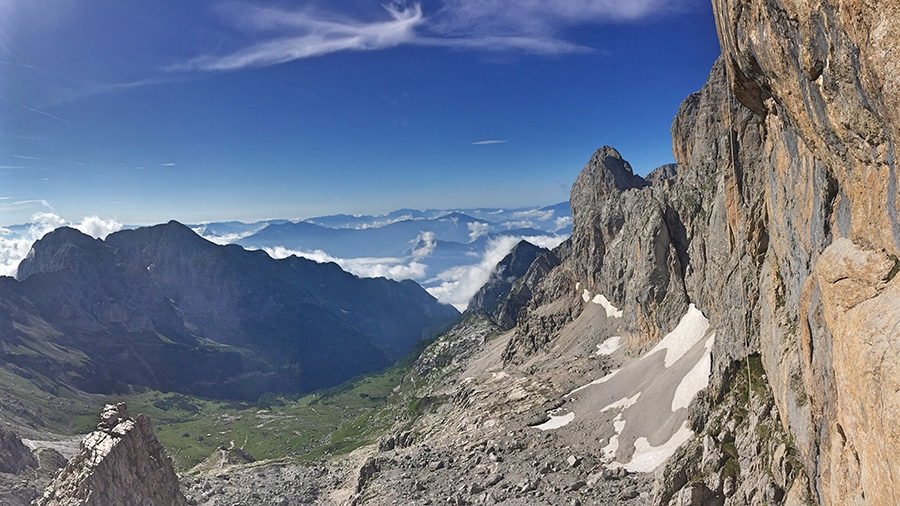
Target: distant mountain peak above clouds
[[449, 252]]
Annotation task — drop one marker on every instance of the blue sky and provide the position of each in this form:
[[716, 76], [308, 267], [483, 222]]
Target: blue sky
[[214, 110]]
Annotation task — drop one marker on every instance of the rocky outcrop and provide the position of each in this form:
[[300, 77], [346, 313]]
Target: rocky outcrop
[[15, 457], [121, 462], [21, 474], [506, 292], [223, 458]]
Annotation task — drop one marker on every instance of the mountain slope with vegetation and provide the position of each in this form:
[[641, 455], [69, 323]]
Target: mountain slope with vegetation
[[162, 308]]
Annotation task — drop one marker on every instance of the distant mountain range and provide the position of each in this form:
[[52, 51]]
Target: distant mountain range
[[555, 218], [163, 308], [449, 252]]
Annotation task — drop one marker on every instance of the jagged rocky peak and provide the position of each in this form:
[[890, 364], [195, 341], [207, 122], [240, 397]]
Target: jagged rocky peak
[[625, 246], [172, 234], [121, 462], [505, 292], [24, 472], [662, 173], [605, 173]]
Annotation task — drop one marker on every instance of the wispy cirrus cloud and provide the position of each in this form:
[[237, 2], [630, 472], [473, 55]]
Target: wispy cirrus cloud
[[529, 26], [305, 34], [540, 45], [32, 109], [534, 18], [488, 142]]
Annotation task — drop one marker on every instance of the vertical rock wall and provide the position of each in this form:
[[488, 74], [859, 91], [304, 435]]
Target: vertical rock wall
[[823, 80]]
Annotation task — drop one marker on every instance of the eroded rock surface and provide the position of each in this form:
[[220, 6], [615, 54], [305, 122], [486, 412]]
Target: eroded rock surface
[[121, 462], [822, 81]]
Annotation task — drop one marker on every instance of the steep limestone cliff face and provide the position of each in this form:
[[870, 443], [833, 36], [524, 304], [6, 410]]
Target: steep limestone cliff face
[[823, 81], [121, 462]]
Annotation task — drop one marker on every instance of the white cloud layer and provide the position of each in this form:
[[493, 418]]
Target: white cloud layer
[[98, 228], [392, 268], [459, 284], [563, 222], [537, 214], [223, 239], [453, 286], [423, 245], [477, 229]]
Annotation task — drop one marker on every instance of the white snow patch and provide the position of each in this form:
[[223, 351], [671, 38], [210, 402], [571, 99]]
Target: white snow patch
[[556, 422], [690, 331], [623, 403], [577, 286], [609, 346], [586, 295], [611, 311], [695, 380], [609, 451], [595, 382], [647, 458]]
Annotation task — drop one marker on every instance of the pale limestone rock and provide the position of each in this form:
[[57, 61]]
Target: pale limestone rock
[[120, 463], [862, 309]]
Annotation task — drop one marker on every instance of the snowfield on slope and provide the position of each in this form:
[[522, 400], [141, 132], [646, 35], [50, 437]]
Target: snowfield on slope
[[640, 410]]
